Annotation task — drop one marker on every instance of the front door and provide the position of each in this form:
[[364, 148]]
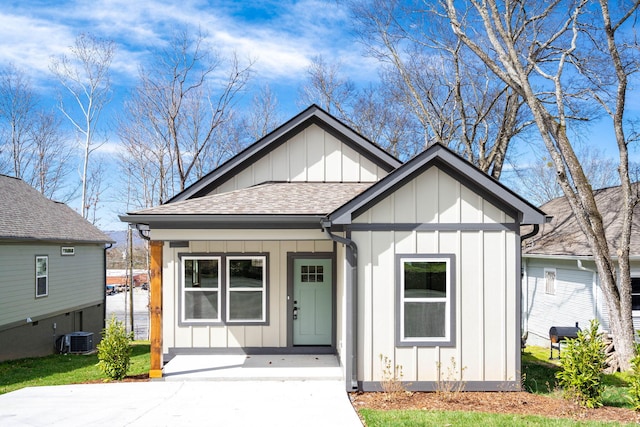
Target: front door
[[312, 301]]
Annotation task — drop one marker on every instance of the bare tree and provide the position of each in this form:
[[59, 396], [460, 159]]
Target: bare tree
[[556, 56], [537, 181], [375, 111], [32, 144], [84, 75], [448, 90], [175, 113], [263, 116], [18, 106]]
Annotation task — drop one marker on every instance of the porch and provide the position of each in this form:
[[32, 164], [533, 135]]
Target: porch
[[244, 367]]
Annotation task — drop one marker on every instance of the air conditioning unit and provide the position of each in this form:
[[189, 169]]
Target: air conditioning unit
[[75, 342]]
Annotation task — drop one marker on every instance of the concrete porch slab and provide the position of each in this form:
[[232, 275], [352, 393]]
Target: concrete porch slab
[[279, 367]]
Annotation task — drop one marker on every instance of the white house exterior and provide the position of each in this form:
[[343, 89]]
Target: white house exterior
[[560, 285], [315, 240]]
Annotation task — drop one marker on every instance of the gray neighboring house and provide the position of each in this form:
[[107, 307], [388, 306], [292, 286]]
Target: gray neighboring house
[[314, 240], [52, 272], [560, 285]]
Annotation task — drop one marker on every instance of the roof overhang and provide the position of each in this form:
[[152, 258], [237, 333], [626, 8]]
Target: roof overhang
[[224, 221]]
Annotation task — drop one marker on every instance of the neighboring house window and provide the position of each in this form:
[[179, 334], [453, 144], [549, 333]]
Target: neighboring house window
[[550, 281], [42, 276], [425, 300], [635, 293], [201, 299], [246, 289]]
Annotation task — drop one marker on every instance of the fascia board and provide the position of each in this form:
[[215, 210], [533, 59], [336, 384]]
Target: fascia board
[[529, 213]]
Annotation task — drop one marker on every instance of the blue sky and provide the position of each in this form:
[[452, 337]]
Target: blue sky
[[280, 36]]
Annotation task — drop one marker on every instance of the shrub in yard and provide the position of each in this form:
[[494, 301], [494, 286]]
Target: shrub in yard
[[114, 351], [582, 363], [634, 380]]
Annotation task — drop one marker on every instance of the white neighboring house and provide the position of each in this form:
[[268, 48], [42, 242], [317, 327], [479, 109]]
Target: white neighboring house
[[560, 285]]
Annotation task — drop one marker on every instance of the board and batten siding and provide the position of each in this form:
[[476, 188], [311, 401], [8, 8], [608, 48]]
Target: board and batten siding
[[236, 336], [313, 155], [486, 316], [74, 281]]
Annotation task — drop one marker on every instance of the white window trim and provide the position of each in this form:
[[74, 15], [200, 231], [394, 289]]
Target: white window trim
[[228, 289], [46, 275], [449, 338], [184, 289], [553, 285]]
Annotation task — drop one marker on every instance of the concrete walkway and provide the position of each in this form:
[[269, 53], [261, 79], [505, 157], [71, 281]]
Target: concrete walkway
[[186, 403], [238, 390]]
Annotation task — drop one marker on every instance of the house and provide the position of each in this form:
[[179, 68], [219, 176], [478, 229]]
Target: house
[[559, 279], [52, 272], [315, 240]]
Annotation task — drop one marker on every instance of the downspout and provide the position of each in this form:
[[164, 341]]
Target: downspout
[[524, 277], [351, 368], [594, 287]]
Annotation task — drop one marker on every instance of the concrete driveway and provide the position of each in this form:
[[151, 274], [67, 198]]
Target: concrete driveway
[[187, 403]]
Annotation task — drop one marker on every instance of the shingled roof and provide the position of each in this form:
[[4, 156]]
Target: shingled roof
[[562, 236], [274, 198], [25, 214]]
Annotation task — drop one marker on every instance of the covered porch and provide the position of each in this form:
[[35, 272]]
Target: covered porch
[[254, 367]]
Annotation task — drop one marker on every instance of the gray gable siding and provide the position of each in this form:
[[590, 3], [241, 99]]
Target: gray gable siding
[[74, 281]]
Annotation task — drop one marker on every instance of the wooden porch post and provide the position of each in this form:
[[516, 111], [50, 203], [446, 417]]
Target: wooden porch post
[[155, 306]]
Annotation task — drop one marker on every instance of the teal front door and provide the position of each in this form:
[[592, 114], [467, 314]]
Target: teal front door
[[312, 301]]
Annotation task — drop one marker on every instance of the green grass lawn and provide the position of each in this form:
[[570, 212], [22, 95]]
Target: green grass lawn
[[375, 418], [61, 369]]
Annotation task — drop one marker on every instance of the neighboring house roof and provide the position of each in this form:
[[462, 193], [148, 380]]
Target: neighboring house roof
[[25, 214], [440, 156], [563, 236], [310, 116]]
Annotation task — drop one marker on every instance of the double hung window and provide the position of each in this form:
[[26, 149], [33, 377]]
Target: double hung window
[[42, 276], [425, 298], [224, 289]]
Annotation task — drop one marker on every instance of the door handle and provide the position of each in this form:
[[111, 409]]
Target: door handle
[[295, 313]]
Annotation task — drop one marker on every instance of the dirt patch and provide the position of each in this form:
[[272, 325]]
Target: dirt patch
[[493, 402]]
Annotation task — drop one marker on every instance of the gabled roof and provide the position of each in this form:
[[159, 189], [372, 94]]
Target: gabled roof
[[25, 214], [563, 236], [312, 115], [464, 171], [260, 204]]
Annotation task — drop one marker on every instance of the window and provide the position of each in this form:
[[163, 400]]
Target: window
[[425, 298], [246, 289], [224, 289], [635, 293], [42, 276], [550, 281], [67, 250], [201, 289]]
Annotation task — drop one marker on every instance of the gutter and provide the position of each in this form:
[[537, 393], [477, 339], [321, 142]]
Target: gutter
[[594, 285], [351, 368], [524, 277]]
